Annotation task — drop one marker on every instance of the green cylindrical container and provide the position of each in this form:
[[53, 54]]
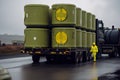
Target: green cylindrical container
[[89, 21], [78, 17], [50, 17], [93, 37], [63, 14], [63, 37], [89, 39], [84, 19], [78, 38], [36, 15], [84, 39], [93, 22], [36, 37]]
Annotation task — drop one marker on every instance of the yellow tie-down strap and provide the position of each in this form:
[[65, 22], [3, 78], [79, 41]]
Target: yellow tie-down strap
[[61, 37], [61, 14]]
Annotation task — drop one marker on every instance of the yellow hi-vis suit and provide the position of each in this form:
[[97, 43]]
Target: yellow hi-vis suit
[[94, 50]]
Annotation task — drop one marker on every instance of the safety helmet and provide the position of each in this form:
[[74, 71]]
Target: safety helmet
[[93, 43]]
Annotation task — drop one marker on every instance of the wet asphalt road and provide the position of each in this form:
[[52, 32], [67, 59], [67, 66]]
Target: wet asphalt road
[[22, 69]]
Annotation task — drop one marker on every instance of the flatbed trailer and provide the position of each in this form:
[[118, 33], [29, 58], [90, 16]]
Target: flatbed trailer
[[73, 55]]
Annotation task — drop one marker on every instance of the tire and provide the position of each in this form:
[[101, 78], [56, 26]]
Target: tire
[[81, 59], [84, 57], [35, 58], [88, 58], [50, 58], [75, 58]]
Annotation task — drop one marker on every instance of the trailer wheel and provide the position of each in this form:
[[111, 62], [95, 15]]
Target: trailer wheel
[[81, 58], [84, 56], [35, 58], [75, 58], [50, 58]]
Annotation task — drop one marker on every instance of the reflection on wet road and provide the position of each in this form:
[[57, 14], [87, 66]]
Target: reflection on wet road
[[23, 69]]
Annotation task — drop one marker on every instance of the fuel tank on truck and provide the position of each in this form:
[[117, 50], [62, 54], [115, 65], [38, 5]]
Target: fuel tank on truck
[[63, 37], [112, 36], [36, 37]]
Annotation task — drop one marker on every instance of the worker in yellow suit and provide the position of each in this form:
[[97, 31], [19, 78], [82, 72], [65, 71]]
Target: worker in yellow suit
[[94, 51]]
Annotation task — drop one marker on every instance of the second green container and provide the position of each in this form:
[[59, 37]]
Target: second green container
[[63, 14], [63, 37]]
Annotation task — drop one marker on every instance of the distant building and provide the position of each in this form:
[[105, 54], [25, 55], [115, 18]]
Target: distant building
[[17, 42], [8, 39]]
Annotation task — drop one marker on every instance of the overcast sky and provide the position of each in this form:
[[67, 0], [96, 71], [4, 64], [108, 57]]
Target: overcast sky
[[12, 12]]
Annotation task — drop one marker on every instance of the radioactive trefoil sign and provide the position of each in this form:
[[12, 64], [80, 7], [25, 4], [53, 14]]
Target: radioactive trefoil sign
[[61, 37], [61, 14]]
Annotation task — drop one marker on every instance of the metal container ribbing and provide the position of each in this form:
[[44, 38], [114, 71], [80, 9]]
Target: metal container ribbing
[[84, 39], [84, 19], [78, 17], [93, 22], [89, 21], [78, 38], [89, 39], [93, 37]]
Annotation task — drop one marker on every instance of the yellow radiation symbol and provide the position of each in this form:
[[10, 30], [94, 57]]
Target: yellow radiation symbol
[[61, 37], [61, 14]]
